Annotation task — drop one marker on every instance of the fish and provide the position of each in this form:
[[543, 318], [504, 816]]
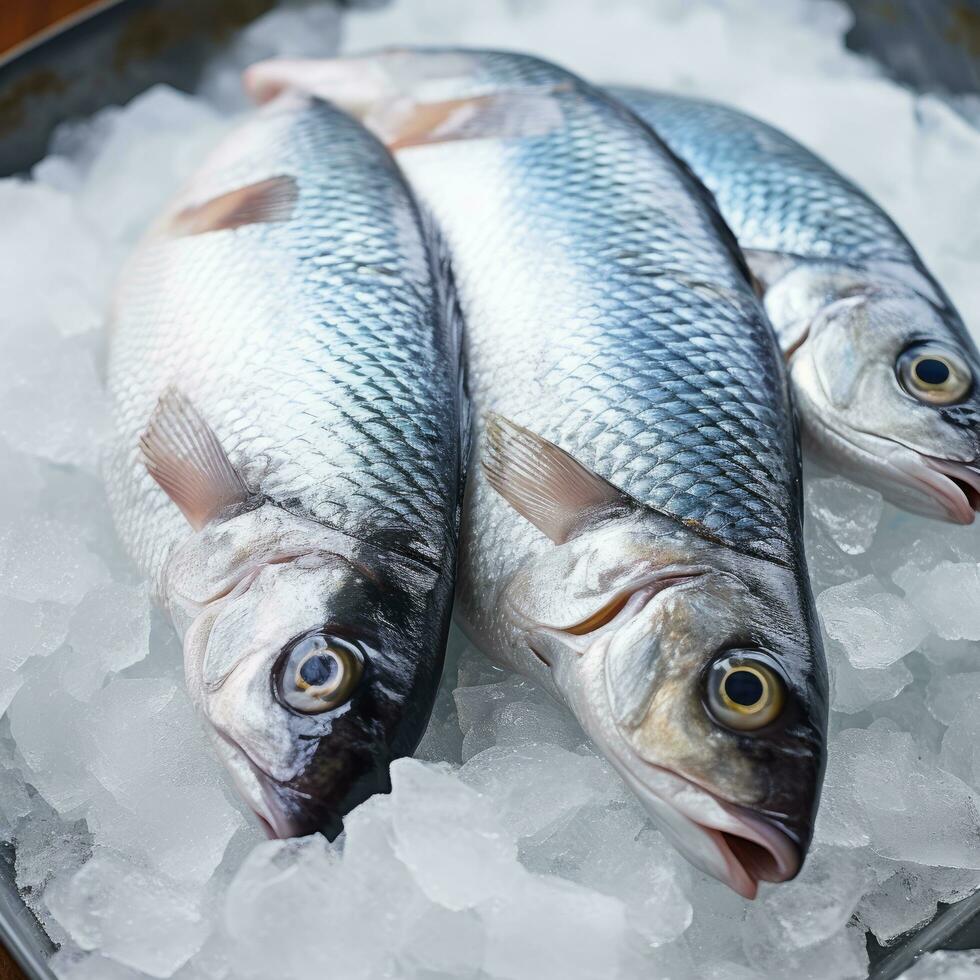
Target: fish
[[883, 369], [287, 455], [631, 539]]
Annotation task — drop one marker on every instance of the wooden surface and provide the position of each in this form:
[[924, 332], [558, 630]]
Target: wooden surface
[[20, 19], [8, 968]]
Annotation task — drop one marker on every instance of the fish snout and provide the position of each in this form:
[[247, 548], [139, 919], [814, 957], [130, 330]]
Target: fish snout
[[957, 486], [286, 812], [758, 848]]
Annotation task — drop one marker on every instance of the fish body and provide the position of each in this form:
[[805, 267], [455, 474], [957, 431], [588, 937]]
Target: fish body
[[883, 369], [284, 367], [634, 532]]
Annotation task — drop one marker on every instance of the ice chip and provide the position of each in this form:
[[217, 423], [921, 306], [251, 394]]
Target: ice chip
[[47, 560], [815, 906], [576, 934], [949, 694], [946, 596], [536, 787], [52, 403], [856, 689], [134, 918], [899, 904], [849, 512], [163, 800], [875, 627], [946, 965], [449, 836], [109, 631]]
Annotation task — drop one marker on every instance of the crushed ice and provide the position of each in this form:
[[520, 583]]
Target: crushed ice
[[507, 848]]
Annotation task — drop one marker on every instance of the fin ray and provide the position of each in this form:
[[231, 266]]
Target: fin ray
[[266, 202], [183, 455], [543, 483]]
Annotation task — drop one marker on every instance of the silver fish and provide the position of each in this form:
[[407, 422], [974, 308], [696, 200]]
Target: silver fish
[[284, 368], [883, 370], [633, 539]]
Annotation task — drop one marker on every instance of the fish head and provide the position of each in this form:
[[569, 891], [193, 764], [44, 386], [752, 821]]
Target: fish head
[[694, 669], [313, 674], [886, 386]]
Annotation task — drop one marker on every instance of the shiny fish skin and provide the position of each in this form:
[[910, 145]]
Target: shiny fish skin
[[295, 341], [816, 241], [323, 351], [608, 312]]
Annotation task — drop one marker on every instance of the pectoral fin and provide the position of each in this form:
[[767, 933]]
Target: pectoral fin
[[183, 454], [543, 483]]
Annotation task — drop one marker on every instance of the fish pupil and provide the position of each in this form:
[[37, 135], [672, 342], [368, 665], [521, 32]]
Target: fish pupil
[[743, 687], [932, 371], [318, 670]]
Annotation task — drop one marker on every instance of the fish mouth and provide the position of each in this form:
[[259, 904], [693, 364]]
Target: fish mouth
[[957, 485], [943, 489], [279, 809], [730, 842]]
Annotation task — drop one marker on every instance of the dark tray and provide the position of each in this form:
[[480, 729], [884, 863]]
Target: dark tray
[[109, 55]]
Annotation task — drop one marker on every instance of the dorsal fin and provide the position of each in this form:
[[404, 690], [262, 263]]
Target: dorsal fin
[[183, 454], [511, 114], [543, 483]]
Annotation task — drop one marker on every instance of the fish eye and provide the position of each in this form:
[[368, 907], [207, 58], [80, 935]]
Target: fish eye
[[745, 690], [933, 373], [317, 673]]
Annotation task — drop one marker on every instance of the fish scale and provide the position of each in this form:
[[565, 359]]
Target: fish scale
[[852, 303], [632, 537], [776, 195], [658, 371], [317, 349]]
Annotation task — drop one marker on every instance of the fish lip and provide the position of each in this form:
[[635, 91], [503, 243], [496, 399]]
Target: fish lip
[[734, 833], [261, 794], [937, 479], [962, 485]]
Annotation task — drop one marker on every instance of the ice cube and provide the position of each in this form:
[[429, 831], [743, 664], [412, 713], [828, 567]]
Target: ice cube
[[856, 689], [73, 964], [577, 933], [536, 787], [54, 274], [29, 629], [949, 694], [900, 903], [137, 919], [946, 597], [875, 627], [909, 808], [47, 847], [449, 836], [946, 965], [815, 906], [51, 732], [164, 801], [52, 403], [44, 559], [960, 751], [109, 631], [849, 512], [843, 956]]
